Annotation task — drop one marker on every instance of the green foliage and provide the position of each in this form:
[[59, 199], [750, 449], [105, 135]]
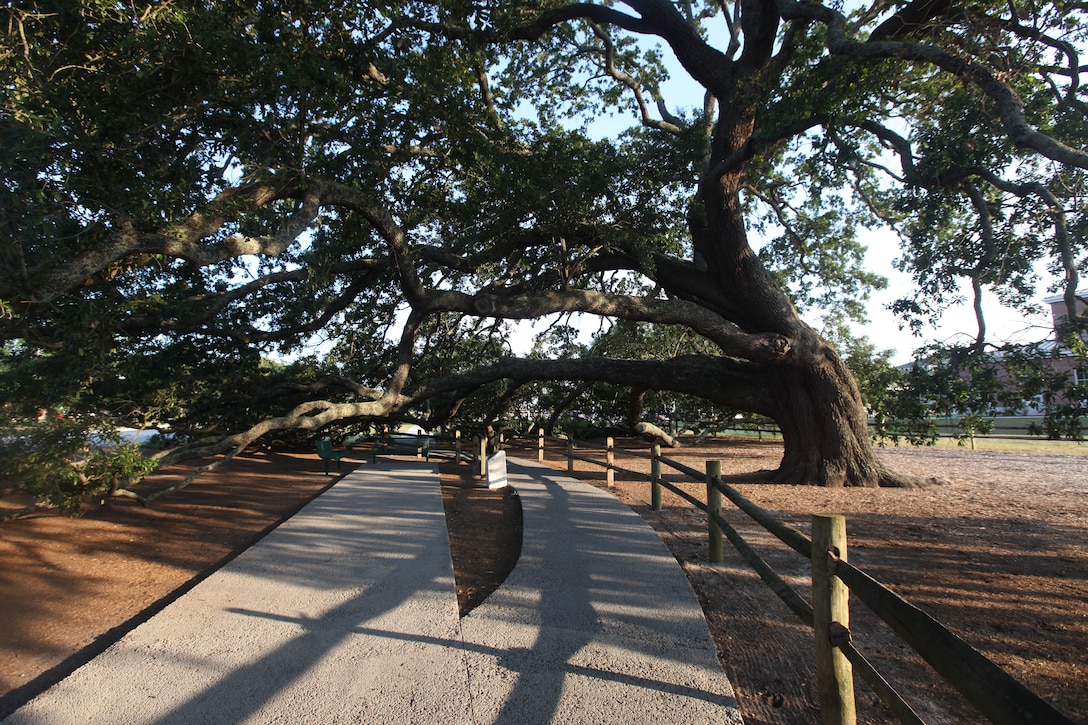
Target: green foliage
[[583, 428], [608, 405], [974, 387], [64, 463], [970, 425], [1058, 379], [877, 379], [898, 402], [908, 413], [630, 340]]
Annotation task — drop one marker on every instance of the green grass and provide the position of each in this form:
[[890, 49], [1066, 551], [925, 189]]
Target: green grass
[[1010, 426], [1040, 446], [1018, 440], [1020, 445]]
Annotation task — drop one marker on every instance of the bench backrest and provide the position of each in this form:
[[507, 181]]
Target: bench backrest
[[403, 440]]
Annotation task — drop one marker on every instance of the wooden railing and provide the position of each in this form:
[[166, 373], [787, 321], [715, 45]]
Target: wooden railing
[[989, 689]]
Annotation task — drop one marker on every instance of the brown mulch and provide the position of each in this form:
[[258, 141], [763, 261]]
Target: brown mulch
[[999, 554], [485, 533], [70, 587]]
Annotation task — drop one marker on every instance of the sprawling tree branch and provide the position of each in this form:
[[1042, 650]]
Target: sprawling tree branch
[[1008, 104], [312, 415], [185, 240], [679, 312], [733, 382], [668, 122]]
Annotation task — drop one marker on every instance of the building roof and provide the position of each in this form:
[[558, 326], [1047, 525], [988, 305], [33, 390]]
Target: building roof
[[1082, 293]]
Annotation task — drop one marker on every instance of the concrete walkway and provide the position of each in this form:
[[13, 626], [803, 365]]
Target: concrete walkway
[[347, 613]]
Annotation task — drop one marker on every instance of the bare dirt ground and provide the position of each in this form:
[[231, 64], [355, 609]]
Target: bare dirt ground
[[69, 587], [485, 533], [999, 553]]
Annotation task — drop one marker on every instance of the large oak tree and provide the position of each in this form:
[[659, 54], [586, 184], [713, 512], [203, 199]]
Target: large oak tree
[[188, 184]]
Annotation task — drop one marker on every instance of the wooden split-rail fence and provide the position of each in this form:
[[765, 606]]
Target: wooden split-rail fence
[[994, 693]]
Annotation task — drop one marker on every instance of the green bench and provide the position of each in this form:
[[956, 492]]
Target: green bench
[[325, 450], [418, 446]]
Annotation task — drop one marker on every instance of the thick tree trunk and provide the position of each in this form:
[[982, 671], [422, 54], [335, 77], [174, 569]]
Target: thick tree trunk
[[809, 391], [816, 402], [824, 424]]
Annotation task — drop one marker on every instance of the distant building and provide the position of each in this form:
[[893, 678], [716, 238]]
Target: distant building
[[1059, 311], [1062, 360], [1059, 360]]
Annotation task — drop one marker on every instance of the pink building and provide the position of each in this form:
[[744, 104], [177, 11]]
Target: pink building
[[1059, 311]]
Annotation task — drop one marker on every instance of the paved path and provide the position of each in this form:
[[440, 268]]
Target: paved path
[[347, 613]]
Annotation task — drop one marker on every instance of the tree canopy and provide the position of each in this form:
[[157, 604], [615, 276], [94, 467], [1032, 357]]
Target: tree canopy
[[190, 188]]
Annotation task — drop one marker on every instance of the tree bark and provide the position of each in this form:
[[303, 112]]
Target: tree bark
[[816, 401], [824, 424], [651, 431]]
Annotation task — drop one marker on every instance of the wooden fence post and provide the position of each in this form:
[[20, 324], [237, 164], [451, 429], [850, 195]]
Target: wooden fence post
[[502, 442], [714, 506], [610, 462], [570, 454], [655, 477], [482, 451], [457, 445], [540, 445], [419, 445], [831, 615]]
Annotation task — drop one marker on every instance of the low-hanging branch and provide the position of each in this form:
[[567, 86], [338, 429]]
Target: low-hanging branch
[[309, 416], [734, 382]]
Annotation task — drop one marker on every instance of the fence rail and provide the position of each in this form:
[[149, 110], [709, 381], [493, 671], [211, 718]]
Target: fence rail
[[989, 689]]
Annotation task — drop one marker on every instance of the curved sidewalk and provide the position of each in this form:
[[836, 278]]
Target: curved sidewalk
[[347, 613]]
